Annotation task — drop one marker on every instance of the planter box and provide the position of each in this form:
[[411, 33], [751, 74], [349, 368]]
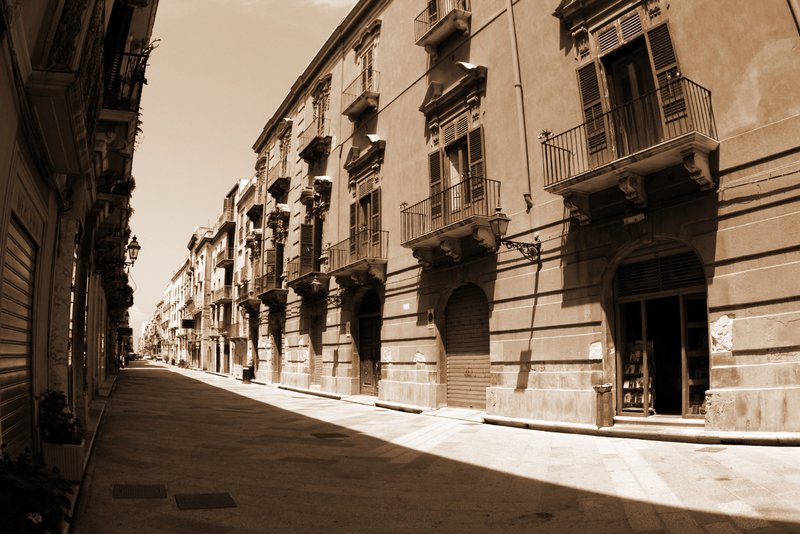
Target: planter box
[[67, 458]]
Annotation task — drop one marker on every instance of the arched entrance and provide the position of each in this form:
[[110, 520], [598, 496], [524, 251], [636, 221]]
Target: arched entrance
[[662, 332], [467, 346], [369, 343]]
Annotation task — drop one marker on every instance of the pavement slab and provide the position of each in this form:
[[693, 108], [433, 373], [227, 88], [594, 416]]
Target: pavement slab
[[293, 462]]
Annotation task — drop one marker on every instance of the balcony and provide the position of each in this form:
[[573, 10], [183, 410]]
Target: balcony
[[304, 275], [222, 295], [360, 259], [246, 297], [443, 219], [226, 221], [439, 20], [123, 89], [221, 328], [669, 126], [315, 141], [225, 257], [269, 291], [363, 93]]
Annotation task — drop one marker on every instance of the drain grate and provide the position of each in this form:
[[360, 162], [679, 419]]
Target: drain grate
[[710, 449], [139, 491], [204, 501], [329, 435]]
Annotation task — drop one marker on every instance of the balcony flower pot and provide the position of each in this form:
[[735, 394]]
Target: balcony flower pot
[[63, 446]]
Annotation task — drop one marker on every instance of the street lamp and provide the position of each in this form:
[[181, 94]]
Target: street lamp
[[499, 225], [100, 266]]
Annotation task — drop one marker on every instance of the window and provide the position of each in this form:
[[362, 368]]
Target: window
[[365, 221]]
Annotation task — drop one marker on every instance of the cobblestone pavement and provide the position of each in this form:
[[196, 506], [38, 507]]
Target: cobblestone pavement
[[298, 463]]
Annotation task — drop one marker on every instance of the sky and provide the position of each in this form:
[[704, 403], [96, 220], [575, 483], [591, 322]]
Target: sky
[[221, 69]]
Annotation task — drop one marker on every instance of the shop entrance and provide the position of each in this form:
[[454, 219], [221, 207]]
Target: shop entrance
[[663, 357], [369, 350]]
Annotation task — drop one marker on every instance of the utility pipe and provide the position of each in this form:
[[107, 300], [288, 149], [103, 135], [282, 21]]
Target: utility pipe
[[523, 137]]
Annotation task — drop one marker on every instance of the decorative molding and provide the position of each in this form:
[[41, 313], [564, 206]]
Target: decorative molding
[[62, 52], [373, 28], [451, 247], [424, 256], [579, 207], [632, 184], [485, 238], [696, 162]]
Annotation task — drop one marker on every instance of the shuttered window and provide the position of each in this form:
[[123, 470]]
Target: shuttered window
[[375, 219], [476, 167], [588, 81], [665, 68], [307, 260], [435, 173], [270, 269]]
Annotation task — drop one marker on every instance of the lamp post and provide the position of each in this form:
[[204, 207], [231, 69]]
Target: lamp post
[[499, 225]]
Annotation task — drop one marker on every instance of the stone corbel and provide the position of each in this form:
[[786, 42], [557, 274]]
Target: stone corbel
[[696, 163], [377, 272], [463, 25], [359, 278], [424, 256], [579, 207], [632, 185], [451, 247], [485, 238]]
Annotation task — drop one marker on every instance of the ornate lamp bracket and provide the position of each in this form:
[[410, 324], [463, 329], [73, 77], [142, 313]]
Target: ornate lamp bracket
[[532, 251]]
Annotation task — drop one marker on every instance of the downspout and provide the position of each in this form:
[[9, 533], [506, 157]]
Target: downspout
[[794, 5], [523, 137]]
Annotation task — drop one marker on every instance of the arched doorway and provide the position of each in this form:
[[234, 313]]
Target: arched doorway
[[369, 343], [662, 332], [467, 346]]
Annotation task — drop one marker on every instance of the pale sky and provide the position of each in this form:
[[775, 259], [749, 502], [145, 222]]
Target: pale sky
[[219, 73]]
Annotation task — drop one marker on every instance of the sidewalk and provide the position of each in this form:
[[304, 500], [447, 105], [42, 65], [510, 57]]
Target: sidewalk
[[297, 463]]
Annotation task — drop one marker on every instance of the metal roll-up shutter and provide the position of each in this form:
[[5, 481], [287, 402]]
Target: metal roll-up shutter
[[316, 348], [467, 338], [661, 267], [16, 329]]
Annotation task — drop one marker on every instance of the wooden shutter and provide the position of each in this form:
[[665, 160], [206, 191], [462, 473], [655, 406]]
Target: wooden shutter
[[591, 100], [477, 173], [306, 248], [375, 223], [270, 270], [435, 168], [665, 69], [353, 226]]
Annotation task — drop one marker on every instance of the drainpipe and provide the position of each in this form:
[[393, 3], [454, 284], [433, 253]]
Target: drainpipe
[[523, 138], [795, 7]]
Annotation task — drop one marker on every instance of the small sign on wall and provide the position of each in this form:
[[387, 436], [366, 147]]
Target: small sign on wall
[[430, 319], [347, 328]]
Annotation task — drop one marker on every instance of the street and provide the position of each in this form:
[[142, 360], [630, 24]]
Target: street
[[298, 463]]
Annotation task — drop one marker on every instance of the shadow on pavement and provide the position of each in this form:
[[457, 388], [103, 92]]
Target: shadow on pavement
[[289, 471]]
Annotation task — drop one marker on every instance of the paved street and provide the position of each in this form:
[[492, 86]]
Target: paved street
[[299, 463]]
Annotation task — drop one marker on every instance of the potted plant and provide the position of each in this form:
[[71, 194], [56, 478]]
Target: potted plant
[[31, 498], [62, 435]]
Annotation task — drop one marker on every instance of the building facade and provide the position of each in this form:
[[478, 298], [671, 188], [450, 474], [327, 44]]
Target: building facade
[[540, 210]]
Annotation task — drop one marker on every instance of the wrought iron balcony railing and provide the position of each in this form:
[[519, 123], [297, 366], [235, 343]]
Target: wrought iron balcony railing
[[305, 263], [125, 78], [474, 196], [680, 107], [225, 257], [318, 128], [362, 93], [364, 245], [224, 293], [436, 12]]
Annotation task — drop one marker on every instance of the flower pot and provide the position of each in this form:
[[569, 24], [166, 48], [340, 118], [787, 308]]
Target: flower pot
[[67, 458]]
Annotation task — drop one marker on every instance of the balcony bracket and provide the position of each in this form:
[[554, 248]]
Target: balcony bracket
[[485, 238], [451, 247], [424, 257], [579, 207], [274, 299], [632, 184], [696, 162]]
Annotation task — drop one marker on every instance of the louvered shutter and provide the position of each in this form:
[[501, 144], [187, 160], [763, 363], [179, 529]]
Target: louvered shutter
[[376, 221], [660, 274], [435, 170], [306, 248], [270, 270], [591, 100], [477, 173], [353, 227], [665, 68]]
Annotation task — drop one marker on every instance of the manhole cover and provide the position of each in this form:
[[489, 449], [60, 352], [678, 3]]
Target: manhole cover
[[329, 435], [139, 491], [711, 449], [204, 501]]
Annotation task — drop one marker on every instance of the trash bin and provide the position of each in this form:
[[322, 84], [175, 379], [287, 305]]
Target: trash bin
[[247, 374]]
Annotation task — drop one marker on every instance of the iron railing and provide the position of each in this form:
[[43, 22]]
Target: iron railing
[[124, 81], [305, 263], [244, 291], [678, 108], [223, 293], [436, 11], [364, 244], [226, 254], [320, 127], [474, 196], [366, 82]]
